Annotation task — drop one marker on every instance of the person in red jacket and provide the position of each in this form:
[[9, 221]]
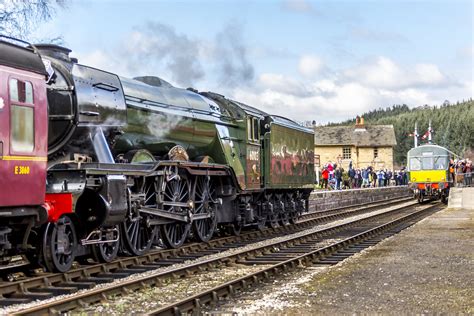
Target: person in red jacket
[[325, 176]]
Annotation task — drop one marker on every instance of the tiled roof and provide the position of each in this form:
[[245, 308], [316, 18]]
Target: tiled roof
[[368, 136]]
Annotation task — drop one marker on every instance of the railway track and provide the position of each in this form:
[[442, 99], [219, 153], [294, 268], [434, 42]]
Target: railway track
[[297, 255], [95, 295], [29, 288]]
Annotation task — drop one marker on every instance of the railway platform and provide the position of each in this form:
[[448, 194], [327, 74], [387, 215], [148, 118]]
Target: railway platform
[[425, 269], [461, 198]]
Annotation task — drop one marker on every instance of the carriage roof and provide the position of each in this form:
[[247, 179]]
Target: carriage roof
[[429, 148]]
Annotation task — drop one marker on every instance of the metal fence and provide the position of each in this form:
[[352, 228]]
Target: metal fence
[[463, 179]]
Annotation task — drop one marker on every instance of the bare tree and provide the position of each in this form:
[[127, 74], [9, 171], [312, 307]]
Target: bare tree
[[19, 17]]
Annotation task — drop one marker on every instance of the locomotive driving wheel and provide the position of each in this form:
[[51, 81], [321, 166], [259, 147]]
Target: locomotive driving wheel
[[293, 209], [284, 218], [234, 229], [175, 193], [107, 251], [59, 245], [204, 203], [137, 234], [273, 220]]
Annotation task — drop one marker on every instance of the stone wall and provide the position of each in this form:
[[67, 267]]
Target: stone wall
[[361, 156], [366, 157], [326, 200]]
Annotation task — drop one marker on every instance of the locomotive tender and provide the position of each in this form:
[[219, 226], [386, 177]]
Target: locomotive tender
[[92, 163]]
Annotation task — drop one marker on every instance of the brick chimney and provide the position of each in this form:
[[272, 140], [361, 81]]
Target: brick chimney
[[359, 126]]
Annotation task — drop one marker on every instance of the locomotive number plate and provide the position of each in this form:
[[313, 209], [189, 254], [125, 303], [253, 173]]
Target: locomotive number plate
[[20, 170]]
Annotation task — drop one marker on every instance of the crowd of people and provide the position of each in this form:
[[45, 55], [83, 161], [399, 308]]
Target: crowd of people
[[333, 176], [461, 171]]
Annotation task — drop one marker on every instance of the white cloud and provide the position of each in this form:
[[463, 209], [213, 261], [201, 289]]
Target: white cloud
[[466, 52], [386, 74], [364, 33], [353, 91], [298, 5], [282, 84], [102, 60], [428, 74], [310, 66], [313, 93]]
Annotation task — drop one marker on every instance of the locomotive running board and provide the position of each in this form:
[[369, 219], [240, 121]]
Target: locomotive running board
[[173, 216]]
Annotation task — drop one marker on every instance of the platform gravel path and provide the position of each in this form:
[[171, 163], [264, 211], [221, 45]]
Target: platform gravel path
[[426, 269]]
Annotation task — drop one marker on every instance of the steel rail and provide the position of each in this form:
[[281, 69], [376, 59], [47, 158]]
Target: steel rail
[[87, 276], [196, 302], [98, 294]]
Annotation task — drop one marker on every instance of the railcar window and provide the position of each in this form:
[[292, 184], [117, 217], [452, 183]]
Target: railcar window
[[255, 129], [22, 128], [415, 164], [441, 163], [427, 163]]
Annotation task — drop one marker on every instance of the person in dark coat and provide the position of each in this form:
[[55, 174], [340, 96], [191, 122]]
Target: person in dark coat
[[338, 176]]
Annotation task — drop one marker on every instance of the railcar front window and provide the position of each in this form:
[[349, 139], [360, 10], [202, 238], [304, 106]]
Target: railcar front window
[[427, 163], [415, 164], [441, 163]]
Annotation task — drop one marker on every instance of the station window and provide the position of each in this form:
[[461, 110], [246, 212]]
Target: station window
[[376, 152], [21, 116], [346, 153]]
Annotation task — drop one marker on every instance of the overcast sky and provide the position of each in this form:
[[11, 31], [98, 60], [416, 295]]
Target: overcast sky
[[307, 60]]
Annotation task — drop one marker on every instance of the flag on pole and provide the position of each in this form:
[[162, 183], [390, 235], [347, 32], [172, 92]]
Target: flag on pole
[[425, 135]]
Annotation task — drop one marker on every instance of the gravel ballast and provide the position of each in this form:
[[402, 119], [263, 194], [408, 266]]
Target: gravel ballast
[[426, 269]]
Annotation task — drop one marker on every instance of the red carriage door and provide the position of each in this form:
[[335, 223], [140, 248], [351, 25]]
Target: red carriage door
[[24, 141]]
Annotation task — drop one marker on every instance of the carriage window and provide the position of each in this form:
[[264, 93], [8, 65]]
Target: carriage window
[[22, 128], [414, 164], [21, 91], [255, 129]]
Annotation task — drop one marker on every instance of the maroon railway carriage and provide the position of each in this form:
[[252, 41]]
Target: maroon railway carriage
[[23, 147]]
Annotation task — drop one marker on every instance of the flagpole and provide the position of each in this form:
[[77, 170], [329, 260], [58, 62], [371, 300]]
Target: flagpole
[[415, 136], [429, 133]]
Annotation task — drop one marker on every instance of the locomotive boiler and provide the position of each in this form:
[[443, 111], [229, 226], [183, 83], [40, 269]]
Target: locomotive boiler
[[133, 161]]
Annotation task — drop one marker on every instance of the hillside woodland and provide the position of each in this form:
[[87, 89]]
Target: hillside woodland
[[452, 124]]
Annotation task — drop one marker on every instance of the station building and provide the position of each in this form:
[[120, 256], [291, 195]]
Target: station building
[[363, 144]]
